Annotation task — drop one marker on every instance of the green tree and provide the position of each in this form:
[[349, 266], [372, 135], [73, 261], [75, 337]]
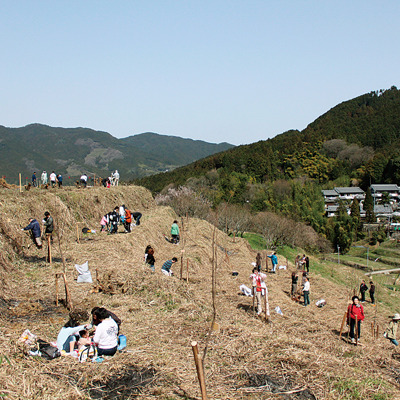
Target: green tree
[[369, 207]]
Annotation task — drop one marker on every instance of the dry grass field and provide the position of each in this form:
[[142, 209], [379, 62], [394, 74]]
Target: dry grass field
[[297, 355]]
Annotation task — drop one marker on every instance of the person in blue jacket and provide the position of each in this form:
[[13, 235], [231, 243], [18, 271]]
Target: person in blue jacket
[[274, 260], [34, 227]]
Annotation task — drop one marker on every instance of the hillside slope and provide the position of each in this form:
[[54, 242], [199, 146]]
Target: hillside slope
[[72, 151], [297, 354]]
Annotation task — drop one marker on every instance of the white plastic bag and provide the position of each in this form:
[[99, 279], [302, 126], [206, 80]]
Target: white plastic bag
[[84, 274]]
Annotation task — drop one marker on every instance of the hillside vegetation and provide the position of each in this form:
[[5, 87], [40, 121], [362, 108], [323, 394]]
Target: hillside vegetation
[[355, 143], [295, 356], [72, 151]]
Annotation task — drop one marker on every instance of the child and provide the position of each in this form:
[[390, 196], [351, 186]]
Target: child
[[391, 331], [85, 339], [149, 259]]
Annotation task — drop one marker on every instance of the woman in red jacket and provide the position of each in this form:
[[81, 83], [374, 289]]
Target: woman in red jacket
[[355, 310]]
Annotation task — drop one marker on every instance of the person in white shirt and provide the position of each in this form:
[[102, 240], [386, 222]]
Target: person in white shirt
[[84, 180], [306, 292], [106, 336], [259, 287], [53, 179], [116, 178], [44, 178]]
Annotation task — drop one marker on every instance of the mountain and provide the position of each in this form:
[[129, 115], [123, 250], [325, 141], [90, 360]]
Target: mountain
[[72, 151], [359, 137]]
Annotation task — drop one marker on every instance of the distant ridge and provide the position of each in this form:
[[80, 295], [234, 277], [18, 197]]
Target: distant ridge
[[370, 121], [72, 151]]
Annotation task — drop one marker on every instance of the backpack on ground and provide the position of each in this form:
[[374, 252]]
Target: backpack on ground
[[86, 352]]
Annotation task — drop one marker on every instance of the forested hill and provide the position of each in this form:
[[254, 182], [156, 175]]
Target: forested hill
[[358, 139], [72, 151]]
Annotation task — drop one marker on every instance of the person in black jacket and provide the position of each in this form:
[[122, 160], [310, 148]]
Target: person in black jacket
[[34, 227], [363, 289], [48, 225], [372, 292]]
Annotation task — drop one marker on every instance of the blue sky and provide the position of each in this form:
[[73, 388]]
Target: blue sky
[[234, 71]]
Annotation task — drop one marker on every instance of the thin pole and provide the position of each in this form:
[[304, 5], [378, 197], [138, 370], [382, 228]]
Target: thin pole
[[49, 249], [356, 330], [77, 232], [181, 267], [342, 326], [20, 183], [187, 270], [200, 371], [57, 290]]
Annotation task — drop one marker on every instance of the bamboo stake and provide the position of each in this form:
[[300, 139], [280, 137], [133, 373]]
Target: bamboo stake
[[49, 259], [342, 326], [200, 371], [356, 330], [77, 232], [56, 290], [254, 294], [187, 270], [94, 179], [266, 262], [20, 183], [181, 274]]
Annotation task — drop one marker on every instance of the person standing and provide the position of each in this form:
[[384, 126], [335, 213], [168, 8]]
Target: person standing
[[175, 232], [295, 278], [274, 260], [372, 292], [53, 179], [355, 310], [363, 289], [166, 267], [258, 281], [391, 331], [306, 292], [258, 262], [59, 180], [48, 225], [44, 178], [34, 227], [150, 260], [307, 264], [34, 179]]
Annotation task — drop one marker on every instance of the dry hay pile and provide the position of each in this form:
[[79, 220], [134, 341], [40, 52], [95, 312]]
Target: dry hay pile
[[296, 356]]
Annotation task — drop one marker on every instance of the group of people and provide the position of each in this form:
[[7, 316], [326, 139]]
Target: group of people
[[364, 289], [274, 261], [302, 263], [55, 179], [120, 215], [150, 261], [102, 332], [35, 230]]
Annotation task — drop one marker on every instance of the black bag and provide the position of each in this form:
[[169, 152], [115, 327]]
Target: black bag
[[48, 351]]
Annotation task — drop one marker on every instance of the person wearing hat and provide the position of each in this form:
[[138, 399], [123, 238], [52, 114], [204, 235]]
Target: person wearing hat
[[391, 331]]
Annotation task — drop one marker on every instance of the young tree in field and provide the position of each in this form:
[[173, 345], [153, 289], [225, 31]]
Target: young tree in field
[[369, 207]]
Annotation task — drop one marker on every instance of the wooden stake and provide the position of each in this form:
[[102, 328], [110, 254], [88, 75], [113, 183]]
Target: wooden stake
[[77, 232], [20, 183], [187, 270], [342, 326], [267, 314], [254, 298], [200, 371], [266, 262], [49, 249], [181, 267], [68, 301], [356, 330], [94, 179], [56, 290]]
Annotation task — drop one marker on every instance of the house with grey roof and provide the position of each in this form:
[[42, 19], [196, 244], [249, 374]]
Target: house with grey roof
[[393, 190]]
